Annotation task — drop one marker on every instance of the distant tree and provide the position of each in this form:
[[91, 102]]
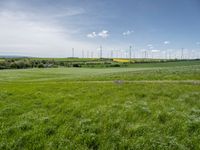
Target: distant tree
[[13, 65], [3, 65], [20, 64], [115, 65], [41, 65], [76, 65]]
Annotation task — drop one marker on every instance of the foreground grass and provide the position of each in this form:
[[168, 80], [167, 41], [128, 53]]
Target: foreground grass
[[44, 109]]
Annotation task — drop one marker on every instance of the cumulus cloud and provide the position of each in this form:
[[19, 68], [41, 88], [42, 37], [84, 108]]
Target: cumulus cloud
[[92, 35], [126, 33], [103, 34], [166, 42]]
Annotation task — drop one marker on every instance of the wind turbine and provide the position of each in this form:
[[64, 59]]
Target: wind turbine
[[72, 52], [101, 52], [130, 54]]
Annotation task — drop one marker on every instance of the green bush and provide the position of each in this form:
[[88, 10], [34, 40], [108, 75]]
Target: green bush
[[76, 65], [13, 65], [41, 65], [115, 65], [20, 64]]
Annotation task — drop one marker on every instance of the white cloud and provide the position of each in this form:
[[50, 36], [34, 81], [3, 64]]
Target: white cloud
[[155, 51], [166, 42], [52, 12], [103, 34], [127, 32], [69, 12], [92, 35], [20, 33]]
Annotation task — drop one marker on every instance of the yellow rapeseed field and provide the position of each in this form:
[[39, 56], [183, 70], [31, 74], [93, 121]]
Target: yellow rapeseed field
[[121, 60]]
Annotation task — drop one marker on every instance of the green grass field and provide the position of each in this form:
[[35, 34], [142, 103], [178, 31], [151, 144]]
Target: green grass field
[[146, 106]]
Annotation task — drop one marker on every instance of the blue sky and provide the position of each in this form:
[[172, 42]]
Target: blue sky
[[52, 28]]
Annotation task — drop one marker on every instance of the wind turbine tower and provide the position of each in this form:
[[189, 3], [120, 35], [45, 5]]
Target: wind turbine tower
[[130, 53], [72, 52], [100, 51]]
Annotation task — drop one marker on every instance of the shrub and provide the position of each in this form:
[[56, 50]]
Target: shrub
[[13, 65], [20, 64], [41, 65], [115, 65], [76, 65]]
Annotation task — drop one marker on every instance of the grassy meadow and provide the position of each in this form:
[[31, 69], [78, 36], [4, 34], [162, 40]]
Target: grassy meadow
[[142, 106]]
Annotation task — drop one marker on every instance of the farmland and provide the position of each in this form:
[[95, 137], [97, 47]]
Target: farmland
[[140, 106]]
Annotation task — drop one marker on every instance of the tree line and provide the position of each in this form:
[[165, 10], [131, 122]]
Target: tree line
[[20, 63], [23, 63]]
